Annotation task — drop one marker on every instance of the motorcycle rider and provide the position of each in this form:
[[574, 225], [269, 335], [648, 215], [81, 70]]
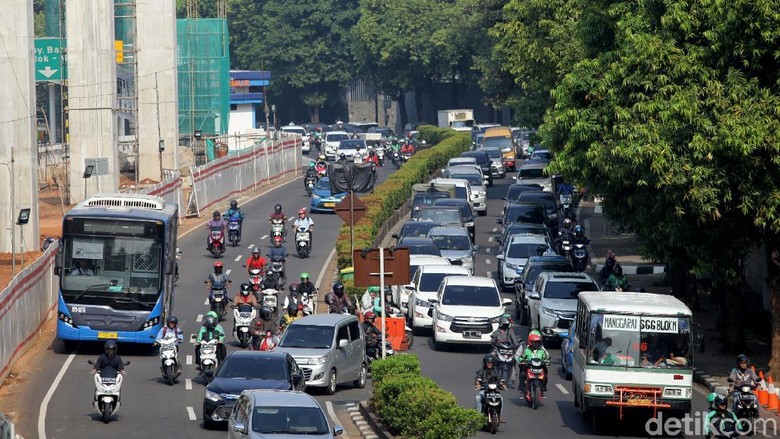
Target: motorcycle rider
[[216, 222], [264, 341], [343, 160], [616, 281], [245, 296], [171, 329], [304, 221], [270, 283], [608, 268], [372, 158], [407, 148], [337, 300], [256, 261], [294, 312], [322, 165], [373, 335], [109, 364], [306, 287], [269, 319], [487, 375], [311, 173], [534, 350], [504, 333], [217, 280], [740, 376], [720, 415], [278, 252], [211, 330], [279, 215], [294, 298]]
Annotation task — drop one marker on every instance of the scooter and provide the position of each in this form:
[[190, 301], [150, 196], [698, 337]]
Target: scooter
[[255, 280], [565, 247], [491, 405], [277, 229], [580, 257], [303, 242], [307, 300], [375, 352], [169, 359], [277, 271], [746, 403], [243, 315], [208, 359], [270, 298], [534, 377], [397, 160], [218, 301], [505, 359], [566, 205], [310, 180], [217, 247], [234, 231], [107, 393]]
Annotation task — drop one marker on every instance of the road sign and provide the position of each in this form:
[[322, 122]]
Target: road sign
[[367, 267], [358, 209], [48, 60]]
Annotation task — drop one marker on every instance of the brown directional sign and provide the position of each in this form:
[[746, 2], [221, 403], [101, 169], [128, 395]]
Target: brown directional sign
[[358, 209], [367, 267]]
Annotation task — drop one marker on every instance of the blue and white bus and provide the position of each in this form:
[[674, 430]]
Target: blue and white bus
[[116, 266]]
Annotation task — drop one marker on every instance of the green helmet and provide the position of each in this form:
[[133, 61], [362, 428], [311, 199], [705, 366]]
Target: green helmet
[[711, 397], [304, 276], [311, 164], [373, 289], [212, 314]]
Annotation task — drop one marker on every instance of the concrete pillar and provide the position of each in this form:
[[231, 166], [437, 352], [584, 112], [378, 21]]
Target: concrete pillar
[[92, 88], [158, 93], [17, 127]]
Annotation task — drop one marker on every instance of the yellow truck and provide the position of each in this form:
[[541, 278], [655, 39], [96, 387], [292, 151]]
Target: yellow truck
[[501, 137]]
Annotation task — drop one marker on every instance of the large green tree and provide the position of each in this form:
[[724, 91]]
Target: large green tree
[[673, 118], [305, 44]]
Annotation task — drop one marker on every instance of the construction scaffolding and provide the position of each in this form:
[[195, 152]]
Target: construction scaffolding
[[125, 32]]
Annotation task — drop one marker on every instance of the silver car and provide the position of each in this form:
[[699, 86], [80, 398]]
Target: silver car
[[455, 245], [497, 159], [262, 414]]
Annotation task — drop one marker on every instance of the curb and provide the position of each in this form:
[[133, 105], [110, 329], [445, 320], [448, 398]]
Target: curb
[[367, 427], [638, 269]]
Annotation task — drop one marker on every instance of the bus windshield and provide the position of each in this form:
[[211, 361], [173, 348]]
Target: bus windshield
[[639, 341], [109, 270]]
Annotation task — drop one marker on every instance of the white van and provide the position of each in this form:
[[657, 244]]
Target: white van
[[424, 285], [401, 292], [632, 351], [462, 188]]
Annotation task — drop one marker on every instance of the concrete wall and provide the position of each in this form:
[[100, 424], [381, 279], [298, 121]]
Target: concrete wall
[[17, 125], [242, 119], [157, 86], [92, 94]]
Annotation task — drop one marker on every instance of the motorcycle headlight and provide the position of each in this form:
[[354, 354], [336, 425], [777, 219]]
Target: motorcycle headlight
[[213, 396], [444, 317], [152, 322]]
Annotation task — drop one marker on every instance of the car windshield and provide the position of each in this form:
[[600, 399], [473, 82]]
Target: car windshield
[[422, 249], [463, 208], [351, 144], [289, 421], [322, 185], [531, 173], [525, 214], [498, 142], [463, 295], [452, 242], [430, 282], [473, 179], [482, 158], [336, 137], [567, 290], [535, 269], [523, 250], [535, 197], [493, 153], [462, 161], [639, 341], [541, 156], [307, 336], [421, 200], [417, 228], [442, 216], [299, 131], [248, 368], [514, 191]]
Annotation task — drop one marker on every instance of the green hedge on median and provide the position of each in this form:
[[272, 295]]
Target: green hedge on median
[[415, 406], [394, 192]]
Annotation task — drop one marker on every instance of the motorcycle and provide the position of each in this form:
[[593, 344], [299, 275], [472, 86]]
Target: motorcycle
[[208, 359], [375, 352], [505, 361], [397, 160], [243, 315], [566, 205], [322, 169], [169, 358], [277, 229], [217, 247], [380, 154], [317, 142], [255, 279], [217, 301], [234, 230], [277, 271], [310, 180], [269, 297], [107, 393], [580, 257], [534, 377], [746, 403], [308, 301], [303, 242], [565, 247], [491, 405]]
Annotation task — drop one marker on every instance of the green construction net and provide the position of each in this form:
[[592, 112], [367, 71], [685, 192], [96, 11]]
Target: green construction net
[[204, 76]]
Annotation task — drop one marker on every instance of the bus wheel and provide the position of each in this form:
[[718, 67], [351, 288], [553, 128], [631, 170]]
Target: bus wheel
[[70, 345]]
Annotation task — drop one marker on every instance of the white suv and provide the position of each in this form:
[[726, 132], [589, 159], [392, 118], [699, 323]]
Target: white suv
[[515, 255], [424, 286], [401, 293], [466, 310], [331, 143], [552, 304]]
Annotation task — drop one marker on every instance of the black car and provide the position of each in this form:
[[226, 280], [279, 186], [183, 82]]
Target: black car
[[484, 162], [514, 191], [546, 199], [523, 213], [243, 370], [466, 212], [416, 229], [419, 246], [446, 216], [425, 199], [527, 279]]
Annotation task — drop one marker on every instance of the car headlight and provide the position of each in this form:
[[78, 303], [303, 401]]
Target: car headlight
[[319, 360], [467, 259], [603, 388], [673, 391], [445, 317], [315, 196], [421, 302], [152, 322], [510, 265], [470, 224], [549, 312], [213, 396], [495, 319]]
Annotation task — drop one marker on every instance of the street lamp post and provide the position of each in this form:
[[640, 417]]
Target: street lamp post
[[11, 174], [87, 174], [24, 218]]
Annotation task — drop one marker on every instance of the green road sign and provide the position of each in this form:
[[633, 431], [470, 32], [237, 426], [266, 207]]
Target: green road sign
[[48, 60]]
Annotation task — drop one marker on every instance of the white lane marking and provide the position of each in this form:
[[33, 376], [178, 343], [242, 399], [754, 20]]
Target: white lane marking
[[199, 318], [250, 246], [490, 239], [487, 261], [228, 272], [53, 388], [188, 384], [264, 237], [562, 389], [238, 258], [191, 414], [206, 302], [487, 250], [332, 413], [489, 274], [188, 360], [495, 229], [324, 267]]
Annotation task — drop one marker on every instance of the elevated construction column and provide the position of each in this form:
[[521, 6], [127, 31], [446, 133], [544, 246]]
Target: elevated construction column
[[92, 87], [158, 91], [17, 127]]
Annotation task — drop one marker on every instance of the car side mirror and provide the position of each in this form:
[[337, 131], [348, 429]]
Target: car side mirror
[[343, 343], [434, 301], [338, 430], [534, 295], [297, 377], [91, 362], [409, 287], [498, 239], [476, 247], [506, 302], [500, 221], [396, 236], [730, 380], [239, 427], [514, 177], [500, 257]]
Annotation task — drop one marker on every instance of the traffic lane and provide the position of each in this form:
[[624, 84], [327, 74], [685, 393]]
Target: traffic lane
[[191, 305]]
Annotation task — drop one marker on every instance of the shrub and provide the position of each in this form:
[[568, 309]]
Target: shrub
[[450, 423], [394, 365], [433, 135], [415, 404], [387, 393]]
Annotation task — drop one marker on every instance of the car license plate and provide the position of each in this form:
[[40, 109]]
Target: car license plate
[[329, 204], [639, 401], [108, 335], [472, 334]]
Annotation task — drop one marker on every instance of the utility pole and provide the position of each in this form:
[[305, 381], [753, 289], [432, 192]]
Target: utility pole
[[159, 133]]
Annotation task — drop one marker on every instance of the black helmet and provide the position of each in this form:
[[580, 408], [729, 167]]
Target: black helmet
[[172, 319], [216, 214], [211, 322], [266, 312], [618, 270], [245, 289], [504, 322], [292, 309], [233, 204], [488, 358], [342, 156], [338, 288], [278, 208], [720, 400], [741, 358], [294, 289], [110, 348]]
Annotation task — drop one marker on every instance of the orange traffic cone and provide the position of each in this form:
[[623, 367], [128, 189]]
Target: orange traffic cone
[[761, 392], [772, 404]]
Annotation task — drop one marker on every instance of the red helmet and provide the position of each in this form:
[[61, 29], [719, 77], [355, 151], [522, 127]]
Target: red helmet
[[369, 315], [302, 211], [534, 338], [218, 264], [278, 240]]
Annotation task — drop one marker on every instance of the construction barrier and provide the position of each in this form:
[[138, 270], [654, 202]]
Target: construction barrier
[[169, 190], [225, 177], [25, 305]]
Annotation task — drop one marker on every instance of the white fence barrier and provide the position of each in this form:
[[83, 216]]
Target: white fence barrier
[[220, 179], [25, 305], [6, 428], [169, 190]]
